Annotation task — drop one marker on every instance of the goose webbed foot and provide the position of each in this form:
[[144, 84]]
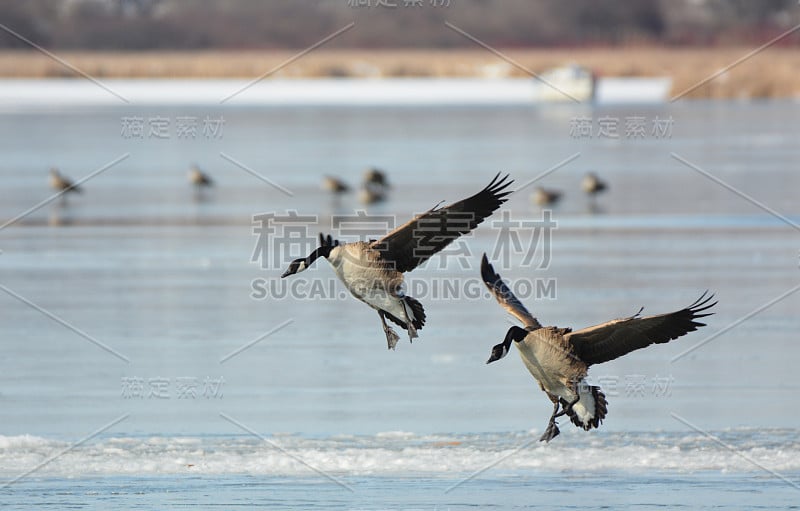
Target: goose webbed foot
[[552, 430], [412, 332], [568, 408], [391, 336]]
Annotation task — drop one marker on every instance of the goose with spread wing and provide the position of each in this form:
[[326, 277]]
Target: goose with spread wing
[[559, 358], [373, 271]]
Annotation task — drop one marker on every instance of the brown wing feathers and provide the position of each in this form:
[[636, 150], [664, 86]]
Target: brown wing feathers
[[608, 341], [504, 296], [415, 242]]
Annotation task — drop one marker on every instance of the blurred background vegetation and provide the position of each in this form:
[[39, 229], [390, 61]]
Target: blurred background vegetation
[[684, 39], [282, 24]]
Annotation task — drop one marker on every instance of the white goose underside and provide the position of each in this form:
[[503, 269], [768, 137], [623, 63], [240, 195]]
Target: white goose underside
[[369, 285], [546, 362]]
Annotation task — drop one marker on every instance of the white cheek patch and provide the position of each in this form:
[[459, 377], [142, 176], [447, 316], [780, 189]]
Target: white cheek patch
[[301, 266]]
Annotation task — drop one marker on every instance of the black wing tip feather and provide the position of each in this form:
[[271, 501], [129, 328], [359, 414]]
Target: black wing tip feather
[[692, 311], [489, 276], [493, 280], [498, 187], [327, 241], [701, 305]]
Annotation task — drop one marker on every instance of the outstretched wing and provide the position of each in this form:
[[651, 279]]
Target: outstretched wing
[[504, 296], [601, 343], [415, 242]]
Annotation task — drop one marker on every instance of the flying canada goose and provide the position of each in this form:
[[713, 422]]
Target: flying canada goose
[[559, 358], [592, 184], [373, 271], [62, 183], [334, 185], [199, 178], [543, 197]]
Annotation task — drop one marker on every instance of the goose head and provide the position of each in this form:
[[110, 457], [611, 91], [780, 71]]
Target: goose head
[[499, 351], [327, 244], [295, 266]]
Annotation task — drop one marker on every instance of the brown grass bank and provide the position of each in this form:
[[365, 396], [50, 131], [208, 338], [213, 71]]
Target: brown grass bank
[[772, 73]]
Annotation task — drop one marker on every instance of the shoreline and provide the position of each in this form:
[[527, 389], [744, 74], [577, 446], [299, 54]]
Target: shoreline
[[769, 74]]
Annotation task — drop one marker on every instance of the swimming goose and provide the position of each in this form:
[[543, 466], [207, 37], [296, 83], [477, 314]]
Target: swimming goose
[[592, 184], [62, 183], [199, 178], [559, 358], [544, 197], [373, 271]]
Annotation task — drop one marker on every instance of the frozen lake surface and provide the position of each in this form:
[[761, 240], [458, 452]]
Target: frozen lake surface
[[165, 379]]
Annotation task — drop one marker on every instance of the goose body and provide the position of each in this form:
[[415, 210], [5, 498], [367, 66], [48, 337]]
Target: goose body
[[363, 273], [373, 271], [199, 178], [371, 194], [544, 197], [334, 185], [376, 176], [592, 184], [375, 186], [559, 358], [62, 183], [549, 358]]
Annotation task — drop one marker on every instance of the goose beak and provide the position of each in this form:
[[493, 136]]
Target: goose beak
[[295, 266], [498, 351], [291, 270]]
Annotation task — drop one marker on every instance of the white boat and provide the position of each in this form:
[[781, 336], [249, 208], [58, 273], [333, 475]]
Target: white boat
[[564, 84], [632, 89], [573, 83]]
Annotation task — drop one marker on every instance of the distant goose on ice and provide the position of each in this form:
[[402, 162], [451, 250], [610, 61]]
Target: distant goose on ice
[[544, 197], [592, 184], [371, 194], [199, 178], [62, 183], [334, 185], [559, 358], [373, 271], [376, 176], [375, 186]]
